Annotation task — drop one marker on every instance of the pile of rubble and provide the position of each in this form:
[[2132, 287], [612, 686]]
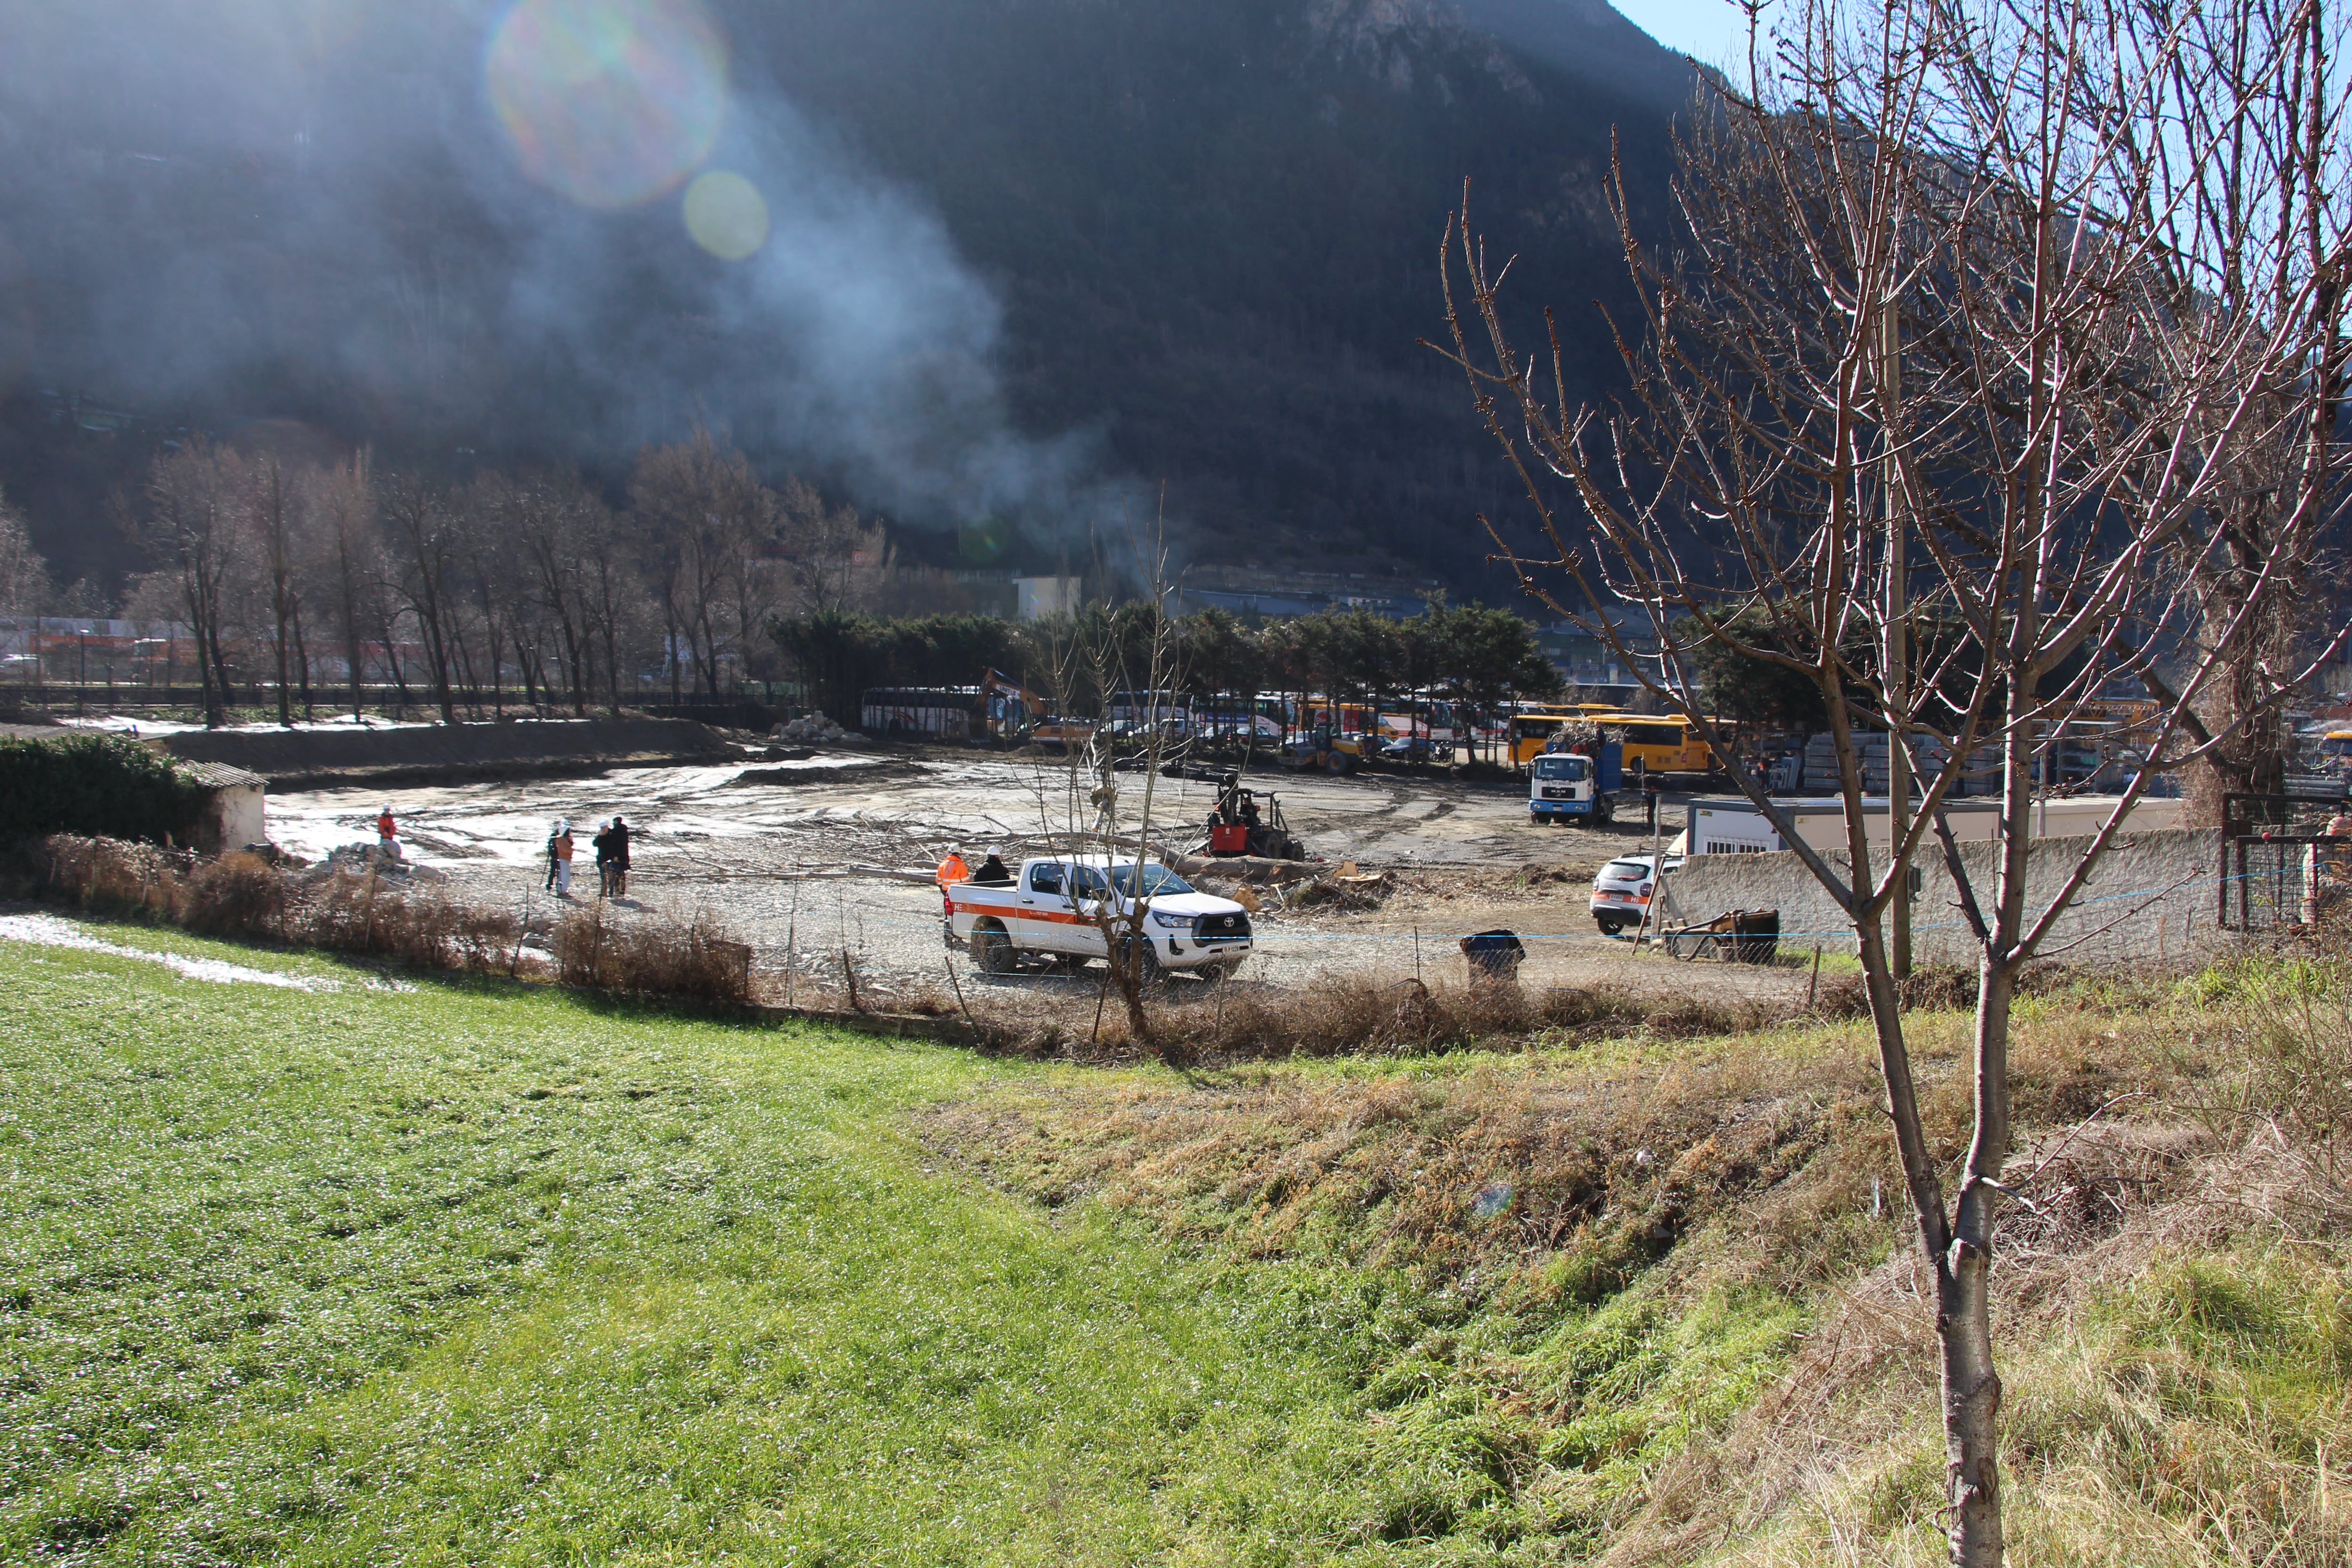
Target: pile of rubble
[[1288, 884], [815, 729], [358, 859]]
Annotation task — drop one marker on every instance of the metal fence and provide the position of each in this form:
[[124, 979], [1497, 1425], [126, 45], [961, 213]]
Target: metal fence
[[2285, 859]]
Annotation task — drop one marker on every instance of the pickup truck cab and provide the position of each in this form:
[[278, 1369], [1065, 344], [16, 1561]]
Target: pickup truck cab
[[1055, 907]]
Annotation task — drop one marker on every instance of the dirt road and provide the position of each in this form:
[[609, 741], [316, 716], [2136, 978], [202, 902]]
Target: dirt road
[[806, 857]]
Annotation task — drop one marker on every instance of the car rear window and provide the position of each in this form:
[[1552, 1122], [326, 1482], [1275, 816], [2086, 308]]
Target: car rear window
[[1625, 870]]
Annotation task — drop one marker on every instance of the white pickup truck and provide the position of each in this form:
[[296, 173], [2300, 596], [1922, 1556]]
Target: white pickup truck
[[1055, 907]]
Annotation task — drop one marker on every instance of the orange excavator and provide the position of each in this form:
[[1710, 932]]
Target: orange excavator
[[1008, 708]]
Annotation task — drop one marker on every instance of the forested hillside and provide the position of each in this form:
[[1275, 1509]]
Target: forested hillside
[[1032, 258]]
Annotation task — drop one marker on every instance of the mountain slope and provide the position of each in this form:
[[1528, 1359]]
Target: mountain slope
[[1034, 256]]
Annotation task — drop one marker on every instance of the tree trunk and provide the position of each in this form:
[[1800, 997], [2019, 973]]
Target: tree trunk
[[285, 673], [302, 662], [1971, 1388]]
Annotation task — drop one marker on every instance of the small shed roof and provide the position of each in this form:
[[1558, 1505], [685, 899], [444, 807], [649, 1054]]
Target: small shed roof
[[220, 775]]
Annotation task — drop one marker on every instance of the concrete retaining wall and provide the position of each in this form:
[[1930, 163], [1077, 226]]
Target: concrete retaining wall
[[300, 759], [2151, 900]]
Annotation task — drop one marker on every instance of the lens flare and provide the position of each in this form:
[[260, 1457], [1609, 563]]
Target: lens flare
[[726, 215], [1492, 1199], [612, 103]]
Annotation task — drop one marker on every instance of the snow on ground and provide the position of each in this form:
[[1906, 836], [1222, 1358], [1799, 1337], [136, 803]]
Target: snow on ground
[[49, 931], [123, 725]]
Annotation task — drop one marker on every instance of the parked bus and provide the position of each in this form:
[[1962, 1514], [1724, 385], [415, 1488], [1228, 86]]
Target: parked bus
[[937, 712], [1656, 743], [1531, 727]]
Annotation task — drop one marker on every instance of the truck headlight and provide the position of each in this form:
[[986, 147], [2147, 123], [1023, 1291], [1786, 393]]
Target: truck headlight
[[1171, 923]]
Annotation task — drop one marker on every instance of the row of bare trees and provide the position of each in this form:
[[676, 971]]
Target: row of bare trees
[[2022, 319], [458, 593]]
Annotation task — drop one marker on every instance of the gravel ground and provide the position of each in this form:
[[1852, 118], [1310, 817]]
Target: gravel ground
[[804, 858]]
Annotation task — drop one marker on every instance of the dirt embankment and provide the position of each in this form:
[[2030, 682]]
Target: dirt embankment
[[294, 760]]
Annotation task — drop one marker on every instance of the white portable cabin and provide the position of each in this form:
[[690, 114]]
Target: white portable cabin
[[1733, 825]]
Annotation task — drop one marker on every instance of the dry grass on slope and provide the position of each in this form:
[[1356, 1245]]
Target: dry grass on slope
[[1687, 1325], [1581, 1169], [2177, 1318]]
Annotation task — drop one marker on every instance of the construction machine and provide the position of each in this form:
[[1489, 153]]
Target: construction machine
[[1008, 708], [1340, 753], [1246, 822]]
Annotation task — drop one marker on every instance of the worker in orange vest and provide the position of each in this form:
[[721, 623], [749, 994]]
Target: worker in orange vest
[[952, 870], [387, 835]]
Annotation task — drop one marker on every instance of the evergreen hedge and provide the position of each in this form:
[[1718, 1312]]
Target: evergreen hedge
[[96, 785]]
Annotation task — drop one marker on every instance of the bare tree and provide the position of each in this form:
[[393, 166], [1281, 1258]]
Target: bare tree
[[24, 575], [264, 505], [188, 525], [610, 589], [828, 547], [424, 539], [1932, 410], [705, 519], [339, 508], [2253, 221]]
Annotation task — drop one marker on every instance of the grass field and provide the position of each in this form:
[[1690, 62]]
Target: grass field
[[451, 1273], [493, 1276]]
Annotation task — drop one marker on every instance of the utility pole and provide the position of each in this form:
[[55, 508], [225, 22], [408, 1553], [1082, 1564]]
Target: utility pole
[[1897, 651]]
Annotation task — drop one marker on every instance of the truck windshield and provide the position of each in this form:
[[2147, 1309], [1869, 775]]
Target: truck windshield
[[1158, 881], [1569, 770]]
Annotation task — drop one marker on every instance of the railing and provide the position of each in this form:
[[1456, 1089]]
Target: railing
[[749, 704]]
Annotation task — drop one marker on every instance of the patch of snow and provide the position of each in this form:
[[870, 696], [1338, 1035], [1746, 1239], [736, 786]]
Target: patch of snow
[[49, 931]]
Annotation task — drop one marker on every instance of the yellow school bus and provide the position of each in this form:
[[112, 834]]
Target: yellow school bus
[[1656, 742], [1532, 727], [1662, 743]]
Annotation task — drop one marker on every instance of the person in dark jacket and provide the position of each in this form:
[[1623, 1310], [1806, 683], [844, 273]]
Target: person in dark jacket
[[620, 856], [992, 873], [602, 843]]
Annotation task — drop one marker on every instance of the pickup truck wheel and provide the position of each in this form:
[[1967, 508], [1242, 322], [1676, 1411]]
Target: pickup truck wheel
[[1144, 958], [993, 950]]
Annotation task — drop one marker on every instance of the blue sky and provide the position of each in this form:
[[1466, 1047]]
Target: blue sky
[[1714, 31]]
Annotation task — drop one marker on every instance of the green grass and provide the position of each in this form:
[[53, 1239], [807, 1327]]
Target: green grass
[[492, 1275]]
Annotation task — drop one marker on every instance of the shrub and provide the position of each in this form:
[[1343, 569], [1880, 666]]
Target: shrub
[[236, 895], [97, 786], [109, 874], [695, 959], [244, 896]]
